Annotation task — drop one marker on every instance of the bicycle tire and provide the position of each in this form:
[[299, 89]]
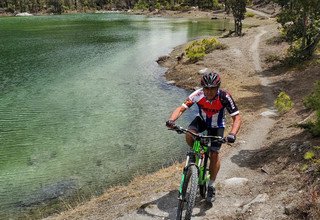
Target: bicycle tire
[[189, 193]]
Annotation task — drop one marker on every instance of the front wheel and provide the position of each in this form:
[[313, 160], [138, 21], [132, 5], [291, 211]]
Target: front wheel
[[189, 192]]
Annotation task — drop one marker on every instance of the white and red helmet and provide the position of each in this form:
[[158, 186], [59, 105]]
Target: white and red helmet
[[210, 80]]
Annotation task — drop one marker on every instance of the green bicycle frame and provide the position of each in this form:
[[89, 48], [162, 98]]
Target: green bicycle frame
[[199, 150]]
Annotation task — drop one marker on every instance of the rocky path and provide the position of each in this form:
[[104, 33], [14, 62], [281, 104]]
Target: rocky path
[[259, 13]]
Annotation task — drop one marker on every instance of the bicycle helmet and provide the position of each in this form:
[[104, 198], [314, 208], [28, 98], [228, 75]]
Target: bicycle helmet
[[210, 80]]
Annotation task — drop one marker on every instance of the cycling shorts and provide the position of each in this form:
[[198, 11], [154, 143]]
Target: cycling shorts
[[200, 126]]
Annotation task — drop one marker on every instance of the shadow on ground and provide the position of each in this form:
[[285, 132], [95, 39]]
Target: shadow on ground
[[166, 207], [292, 148]]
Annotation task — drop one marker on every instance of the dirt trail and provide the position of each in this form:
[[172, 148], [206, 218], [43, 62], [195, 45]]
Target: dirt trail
[[260, 13], [235, 183]]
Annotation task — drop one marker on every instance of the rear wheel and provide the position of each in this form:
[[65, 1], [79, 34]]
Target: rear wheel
[[189, 192]]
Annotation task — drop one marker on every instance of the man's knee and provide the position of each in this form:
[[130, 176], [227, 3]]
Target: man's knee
[[190, 139]]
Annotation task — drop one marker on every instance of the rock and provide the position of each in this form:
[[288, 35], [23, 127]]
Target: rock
[[236, 181], [24, 14], [269, 113], [172, 82], [180, 57], [261, 198], [204, 71], [293, 147], [311, 117], [162, 59], [306, 144], [289, 209], [50, 192], [265, 169]]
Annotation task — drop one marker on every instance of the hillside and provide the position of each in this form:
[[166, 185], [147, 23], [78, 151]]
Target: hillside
[[268, 153]]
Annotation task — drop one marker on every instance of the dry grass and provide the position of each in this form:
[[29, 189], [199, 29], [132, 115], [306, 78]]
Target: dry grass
[[123, 199]]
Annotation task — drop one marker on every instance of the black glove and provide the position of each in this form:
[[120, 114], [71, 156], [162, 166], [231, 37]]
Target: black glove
[[231, 138], [170, 124]]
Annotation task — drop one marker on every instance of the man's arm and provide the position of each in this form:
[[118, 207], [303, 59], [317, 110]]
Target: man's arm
[[236, 124], [177, 113]]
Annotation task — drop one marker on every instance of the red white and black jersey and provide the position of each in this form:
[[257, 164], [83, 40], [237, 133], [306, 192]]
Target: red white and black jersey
[[212, 112]]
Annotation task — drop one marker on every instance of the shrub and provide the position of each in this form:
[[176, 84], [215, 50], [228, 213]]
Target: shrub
[[276, 40], [313, 161], [216, 5], [283, 103], [141, 5], [249, 14], [158, 6], [198, 49], [312, 101], [195, 51]]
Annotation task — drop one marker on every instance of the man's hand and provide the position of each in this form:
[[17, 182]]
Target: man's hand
[[170, 124], [231, 138]]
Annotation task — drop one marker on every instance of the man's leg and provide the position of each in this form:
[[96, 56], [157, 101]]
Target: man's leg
[[214, 166]]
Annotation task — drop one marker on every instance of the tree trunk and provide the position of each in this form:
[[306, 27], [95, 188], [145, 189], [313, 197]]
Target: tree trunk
[[237, 27], [76, 5]]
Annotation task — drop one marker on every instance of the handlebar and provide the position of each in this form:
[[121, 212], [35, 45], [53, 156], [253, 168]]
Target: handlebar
[[181, 130]]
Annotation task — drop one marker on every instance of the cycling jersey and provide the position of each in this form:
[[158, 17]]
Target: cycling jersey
[[213, 112]]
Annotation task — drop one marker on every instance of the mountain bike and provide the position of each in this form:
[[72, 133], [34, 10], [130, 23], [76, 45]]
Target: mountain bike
[[195, 172]]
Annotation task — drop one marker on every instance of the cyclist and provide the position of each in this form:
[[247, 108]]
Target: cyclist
[[212, 102]]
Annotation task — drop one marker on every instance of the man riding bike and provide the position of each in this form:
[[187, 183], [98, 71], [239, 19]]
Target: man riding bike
[[212, 102]]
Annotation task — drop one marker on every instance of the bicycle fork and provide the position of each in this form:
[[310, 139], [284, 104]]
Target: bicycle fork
[[190, 161]]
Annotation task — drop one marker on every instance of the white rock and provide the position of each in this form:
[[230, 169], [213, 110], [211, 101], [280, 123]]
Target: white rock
[[261, 198], [204, 71], [171, 82], [236, 181], [24, 14], [269, 113]]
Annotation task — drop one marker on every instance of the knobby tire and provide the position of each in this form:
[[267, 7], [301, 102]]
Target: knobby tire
[[189, 193]]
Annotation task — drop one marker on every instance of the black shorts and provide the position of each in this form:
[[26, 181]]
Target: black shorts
[[200, 126]]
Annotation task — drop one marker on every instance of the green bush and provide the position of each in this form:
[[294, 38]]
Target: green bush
[[276, 40], [158, 6], [141, 5], [249, 14], [313, 161], [216, 5], [283, 103], [195, 51], [312, 101], [198, 49]]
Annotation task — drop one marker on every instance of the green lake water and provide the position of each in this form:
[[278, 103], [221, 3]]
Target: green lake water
[[83, 103]]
